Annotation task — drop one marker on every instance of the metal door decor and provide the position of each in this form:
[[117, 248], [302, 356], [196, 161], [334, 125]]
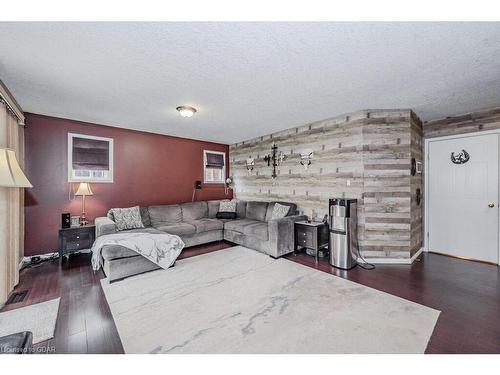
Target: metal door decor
[[462, 157]]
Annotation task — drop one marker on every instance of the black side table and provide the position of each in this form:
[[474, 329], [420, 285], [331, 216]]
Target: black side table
[[311, 235], [75, 239]]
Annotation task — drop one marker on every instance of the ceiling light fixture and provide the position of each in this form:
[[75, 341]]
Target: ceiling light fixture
[[186, 111]]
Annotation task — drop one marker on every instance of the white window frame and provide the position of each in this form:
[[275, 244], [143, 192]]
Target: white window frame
[[205, 167]]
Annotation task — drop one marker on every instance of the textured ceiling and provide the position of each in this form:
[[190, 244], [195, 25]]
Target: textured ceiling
[[247, 79]]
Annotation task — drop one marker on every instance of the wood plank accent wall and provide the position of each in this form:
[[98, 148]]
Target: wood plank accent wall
[[471, 122], [417, 182], [364, 155]]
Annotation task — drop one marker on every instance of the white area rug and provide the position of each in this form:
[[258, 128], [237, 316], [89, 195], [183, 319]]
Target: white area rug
[[240, 301], [39, 318]]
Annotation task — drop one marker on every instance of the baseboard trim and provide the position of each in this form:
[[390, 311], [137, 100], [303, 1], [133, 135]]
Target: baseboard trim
[[393, 260]]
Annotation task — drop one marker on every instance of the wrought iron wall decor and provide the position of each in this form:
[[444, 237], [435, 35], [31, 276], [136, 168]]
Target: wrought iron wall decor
[[413, 168], [272, 158], [462, 157], [418, 196]]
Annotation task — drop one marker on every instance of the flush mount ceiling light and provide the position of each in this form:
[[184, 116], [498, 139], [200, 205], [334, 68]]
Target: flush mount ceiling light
[[186, 111]]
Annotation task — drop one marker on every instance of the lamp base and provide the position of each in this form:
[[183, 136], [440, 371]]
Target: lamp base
[[83, 220]]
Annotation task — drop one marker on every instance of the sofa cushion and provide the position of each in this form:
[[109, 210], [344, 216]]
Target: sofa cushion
[[143, 230], [257, 210], [227, 206], [226, 215], [239, 225], [110, 252], [213, 208], [206, 225], [258, 230], [270, 208], [146, 220], [179, 229], [241, 208], [194, 211], [127, 218], [165, 215]]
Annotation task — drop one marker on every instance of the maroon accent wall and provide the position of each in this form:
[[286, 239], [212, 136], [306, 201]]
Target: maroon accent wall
[[148, 169]]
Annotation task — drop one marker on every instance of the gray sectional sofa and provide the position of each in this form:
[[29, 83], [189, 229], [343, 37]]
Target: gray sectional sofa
[[196, 224]]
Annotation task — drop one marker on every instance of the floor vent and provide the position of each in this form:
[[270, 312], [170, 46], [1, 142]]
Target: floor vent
[[16, 297]]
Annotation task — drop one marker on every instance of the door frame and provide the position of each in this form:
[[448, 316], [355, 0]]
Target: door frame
[[426, 181]]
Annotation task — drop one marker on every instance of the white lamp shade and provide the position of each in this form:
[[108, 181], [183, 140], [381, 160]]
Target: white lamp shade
[[11, 174], [84, 189]]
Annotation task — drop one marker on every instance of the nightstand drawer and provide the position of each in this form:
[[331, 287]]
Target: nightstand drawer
[[77, 245], [77, 237], [305, 241]]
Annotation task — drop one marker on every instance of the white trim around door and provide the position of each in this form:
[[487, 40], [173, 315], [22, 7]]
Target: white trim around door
[[426, 181]]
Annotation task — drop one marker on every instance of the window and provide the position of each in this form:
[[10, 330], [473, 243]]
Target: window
[[214, 166]]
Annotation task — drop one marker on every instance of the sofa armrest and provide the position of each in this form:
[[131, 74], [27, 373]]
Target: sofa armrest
[[282, 235], [104, 225]]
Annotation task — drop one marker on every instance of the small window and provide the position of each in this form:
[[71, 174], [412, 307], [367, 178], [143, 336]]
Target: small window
[[214, 166]]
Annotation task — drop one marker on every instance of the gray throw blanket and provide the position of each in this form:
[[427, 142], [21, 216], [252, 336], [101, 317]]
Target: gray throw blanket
[[161, 249]]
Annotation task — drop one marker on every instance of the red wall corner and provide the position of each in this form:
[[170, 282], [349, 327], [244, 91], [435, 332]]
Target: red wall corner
[[148, 169]]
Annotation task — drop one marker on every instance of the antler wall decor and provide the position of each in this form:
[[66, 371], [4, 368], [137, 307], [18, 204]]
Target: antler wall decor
[[462, 157], [306, 159], [250, 163]]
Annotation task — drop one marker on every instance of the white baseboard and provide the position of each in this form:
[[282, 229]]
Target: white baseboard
[[393, 260]]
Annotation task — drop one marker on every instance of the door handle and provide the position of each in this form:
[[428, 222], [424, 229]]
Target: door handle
[[491, 205]]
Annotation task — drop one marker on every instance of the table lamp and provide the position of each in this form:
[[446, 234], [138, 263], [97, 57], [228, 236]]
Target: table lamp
[[11, 174], [84, 190]]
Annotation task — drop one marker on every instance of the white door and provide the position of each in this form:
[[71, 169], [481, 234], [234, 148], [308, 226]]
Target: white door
[[463, 198]]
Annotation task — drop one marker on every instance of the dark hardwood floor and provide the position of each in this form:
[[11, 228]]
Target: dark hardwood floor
[[467, 293]]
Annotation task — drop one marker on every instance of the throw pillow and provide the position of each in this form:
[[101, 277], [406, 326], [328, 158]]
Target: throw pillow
[[280, 211], [226, 215], [127, 218], [227, 206]]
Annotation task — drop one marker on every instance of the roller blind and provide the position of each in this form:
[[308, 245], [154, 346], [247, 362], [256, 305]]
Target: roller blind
[[215, 160]]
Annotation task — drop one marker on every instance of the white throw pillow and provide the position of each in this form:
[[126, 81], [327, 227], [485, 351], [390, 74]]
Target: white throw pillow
[[127, 218], [227, 206], [280, 211]]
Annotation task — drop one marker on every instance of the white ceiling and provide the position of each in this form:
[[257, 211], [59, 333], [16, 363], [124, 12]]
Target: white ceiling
[[247, 79]]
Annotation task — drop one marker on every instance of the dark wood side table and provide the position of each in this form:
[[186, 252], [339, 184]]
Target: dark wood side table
[[75, 239], [311, 235]]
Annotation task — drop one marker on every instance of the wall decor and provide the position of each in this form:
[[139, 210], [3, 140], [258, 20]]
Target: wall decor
[[462, 157], [272, 158], [90, 158], [306, 159], [281, 157], [250, 163], [413, 167]]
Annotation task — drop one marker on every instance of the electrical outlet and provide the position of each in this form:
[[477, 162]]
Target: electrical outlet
[[348, 183]]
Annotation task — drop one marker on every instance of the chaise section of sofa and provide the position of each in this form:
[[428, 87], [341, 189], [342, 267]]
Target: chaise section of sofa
[[196, 224]]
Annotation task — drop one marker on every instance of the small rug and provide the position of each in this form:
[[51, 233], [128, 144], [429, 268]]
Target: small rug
[[238, 300], [40, 319]]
